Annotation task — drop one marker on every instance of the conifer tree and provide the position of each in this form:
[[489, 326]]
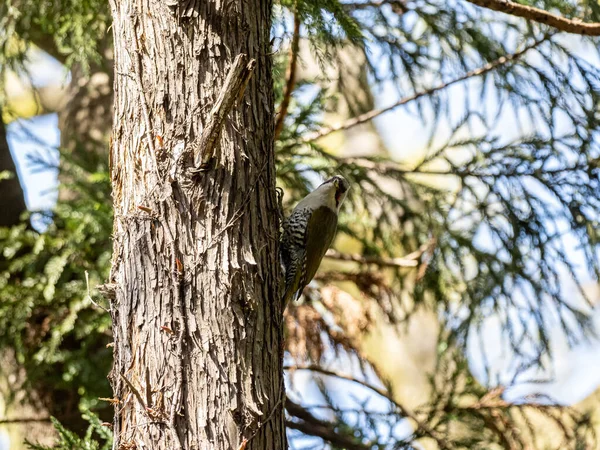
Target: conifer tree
[[498, 212]]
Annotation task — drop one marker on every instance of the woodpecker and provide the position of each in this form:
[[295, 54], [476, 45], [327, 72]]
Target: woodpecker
[[308, 233]]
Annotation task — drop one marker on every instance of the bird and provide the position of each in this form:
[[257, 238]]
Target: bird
[[308, 232]]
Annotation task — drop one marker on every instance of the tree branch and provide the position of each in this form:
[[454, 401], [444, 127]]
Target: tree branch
[[420, 425], [377, 112], [574, 26], [409, 261], [313, 426], [291, 77], [19, 420], [398, 6], [233, 89]]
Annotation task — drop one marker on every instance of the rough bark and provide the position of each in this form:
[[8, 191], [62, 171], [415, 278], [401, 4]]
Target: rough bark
[[13, 197], [196, 312]]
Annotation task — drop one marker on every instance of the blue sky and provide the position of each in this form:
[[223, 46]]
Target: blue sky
[[26, 138]]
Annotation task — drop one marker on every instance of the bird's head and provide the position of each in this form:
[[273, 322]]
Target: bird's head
[[330, 193], [337, 187]]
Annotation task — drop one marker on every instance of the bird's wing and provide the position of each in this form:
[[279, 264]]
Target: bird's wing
[[293, 250], [319, 235]]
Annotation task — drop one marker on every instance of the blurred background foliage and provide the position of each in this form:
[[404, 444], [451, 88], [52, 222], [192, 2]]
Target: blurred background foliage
[[466, 254]]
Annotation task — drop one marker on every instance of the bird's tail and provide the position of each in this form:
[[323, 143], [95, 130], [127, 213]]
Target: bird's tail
[[290, 295], [287, 296]]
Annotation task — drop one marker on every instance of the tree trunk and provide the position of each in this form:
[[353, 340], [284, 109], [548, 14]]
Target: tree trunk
[[13, 197], [197, 319]]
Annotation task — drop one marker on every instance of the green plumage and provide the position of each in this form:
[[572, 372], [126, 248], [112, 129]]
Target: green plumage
[[319, 235], [306, 239]]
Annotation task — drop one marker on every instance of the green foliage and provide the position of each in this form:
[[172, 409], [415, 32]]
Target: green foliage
[[67, 440], [46, 316], [69, 30], [328, 25]]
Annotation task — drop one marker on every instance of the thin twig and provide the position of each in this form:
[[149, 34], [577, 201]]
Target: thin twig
[[363, 411], [410, 260], [420, 425], [397, 5], [133, 390], [574, 26], [325, 131], [235, 84], [291, 77], [19, 420], [379, 261], [260, 425]]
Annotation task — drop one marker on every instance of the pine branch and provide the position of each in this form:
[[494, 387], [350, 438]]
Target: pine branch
[[409, 261], [291, 77], [420, 425], [398, 4], [574, 26], [312, 426], [370, 115]]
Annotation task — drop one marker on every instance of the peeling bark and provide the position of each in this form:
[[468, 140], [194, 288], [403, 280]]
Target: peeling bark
[[197, 319]]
